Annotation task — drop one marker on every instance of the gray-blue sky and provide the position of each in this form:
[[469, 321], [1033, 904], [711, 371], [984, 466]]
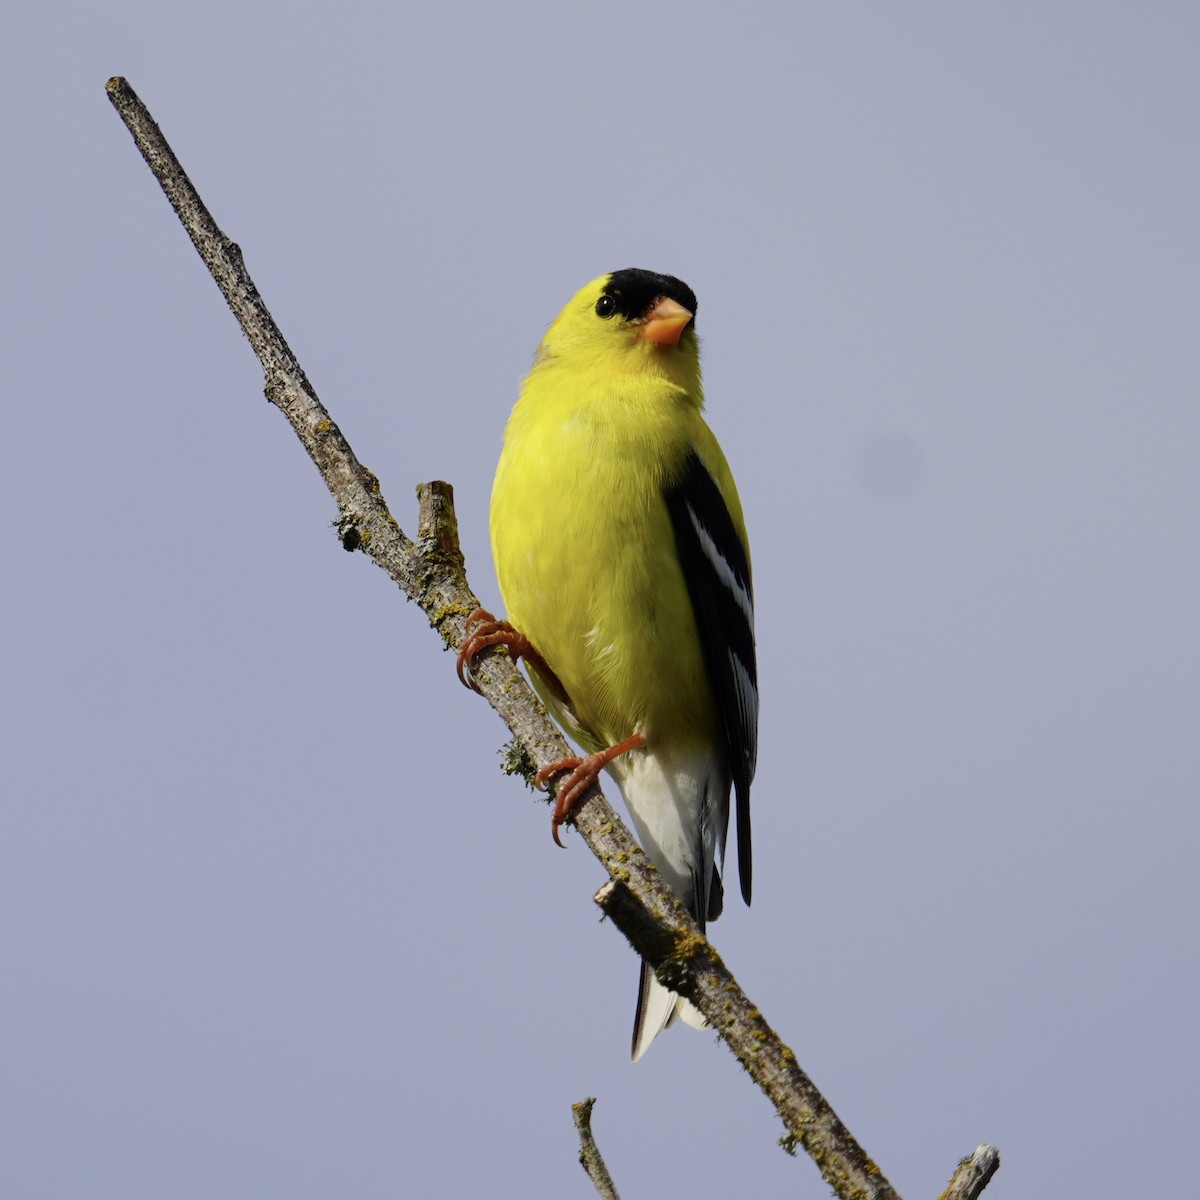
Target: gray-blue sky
[[273, 923]]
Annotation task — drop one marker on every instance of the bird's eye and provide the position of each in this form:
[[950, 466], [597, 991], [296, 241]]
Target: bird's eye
[[605, 306]]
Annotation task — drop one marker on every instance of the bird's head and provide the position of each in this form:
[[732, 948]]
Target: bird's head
[[629, 321]]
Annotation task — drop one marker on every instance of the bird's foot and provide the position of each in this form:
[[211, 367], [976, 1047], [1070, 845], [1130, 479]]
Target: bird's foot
[[482, 632], [584, 772]]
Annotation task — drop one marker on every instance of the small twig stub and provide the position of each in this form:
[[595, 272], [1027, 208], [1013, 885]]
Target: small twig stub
[[590, 1158]]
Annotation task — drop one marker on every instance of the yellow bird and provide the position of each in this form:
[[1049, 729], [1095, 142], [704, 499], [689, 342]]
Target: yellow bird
[[622, 559]]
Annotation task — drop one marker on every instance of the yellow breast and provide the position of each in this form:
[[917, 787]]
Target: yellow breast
[[585, 552]]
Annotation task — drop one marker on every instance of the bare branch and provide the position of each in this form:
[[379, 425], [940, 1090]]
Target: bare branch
[[688, 963], [430, 571], [973, 1174], [590, 1158]]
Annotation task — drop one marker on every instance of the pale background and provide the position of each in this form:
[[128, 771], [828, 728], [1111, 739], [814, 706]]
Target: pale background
[[273, 924]]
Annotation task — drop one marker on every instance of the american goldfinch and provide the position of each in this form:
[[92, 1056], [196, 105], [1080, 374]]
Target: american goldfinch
[[622, 559]]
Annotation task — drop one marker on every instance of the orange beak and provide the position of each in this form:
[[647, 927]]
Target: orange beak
[[665, 323]]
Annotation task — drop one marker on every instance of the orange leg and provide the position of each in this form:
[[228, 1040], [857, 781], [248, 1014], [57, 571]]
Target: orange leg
[[584, 772], [484, 631]]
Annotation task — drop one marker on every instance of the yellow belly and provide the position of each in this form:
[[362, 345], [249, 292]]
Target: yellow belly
[[585, 556]]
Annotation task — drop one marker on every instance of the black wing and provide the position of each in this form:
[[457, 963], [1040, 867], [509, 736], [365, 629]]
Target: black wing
[[717, 571]]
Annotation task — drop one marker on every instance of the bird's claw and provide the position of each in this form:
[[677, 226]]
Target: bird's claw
[[481, 633], [583, 775], [584, 772]]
